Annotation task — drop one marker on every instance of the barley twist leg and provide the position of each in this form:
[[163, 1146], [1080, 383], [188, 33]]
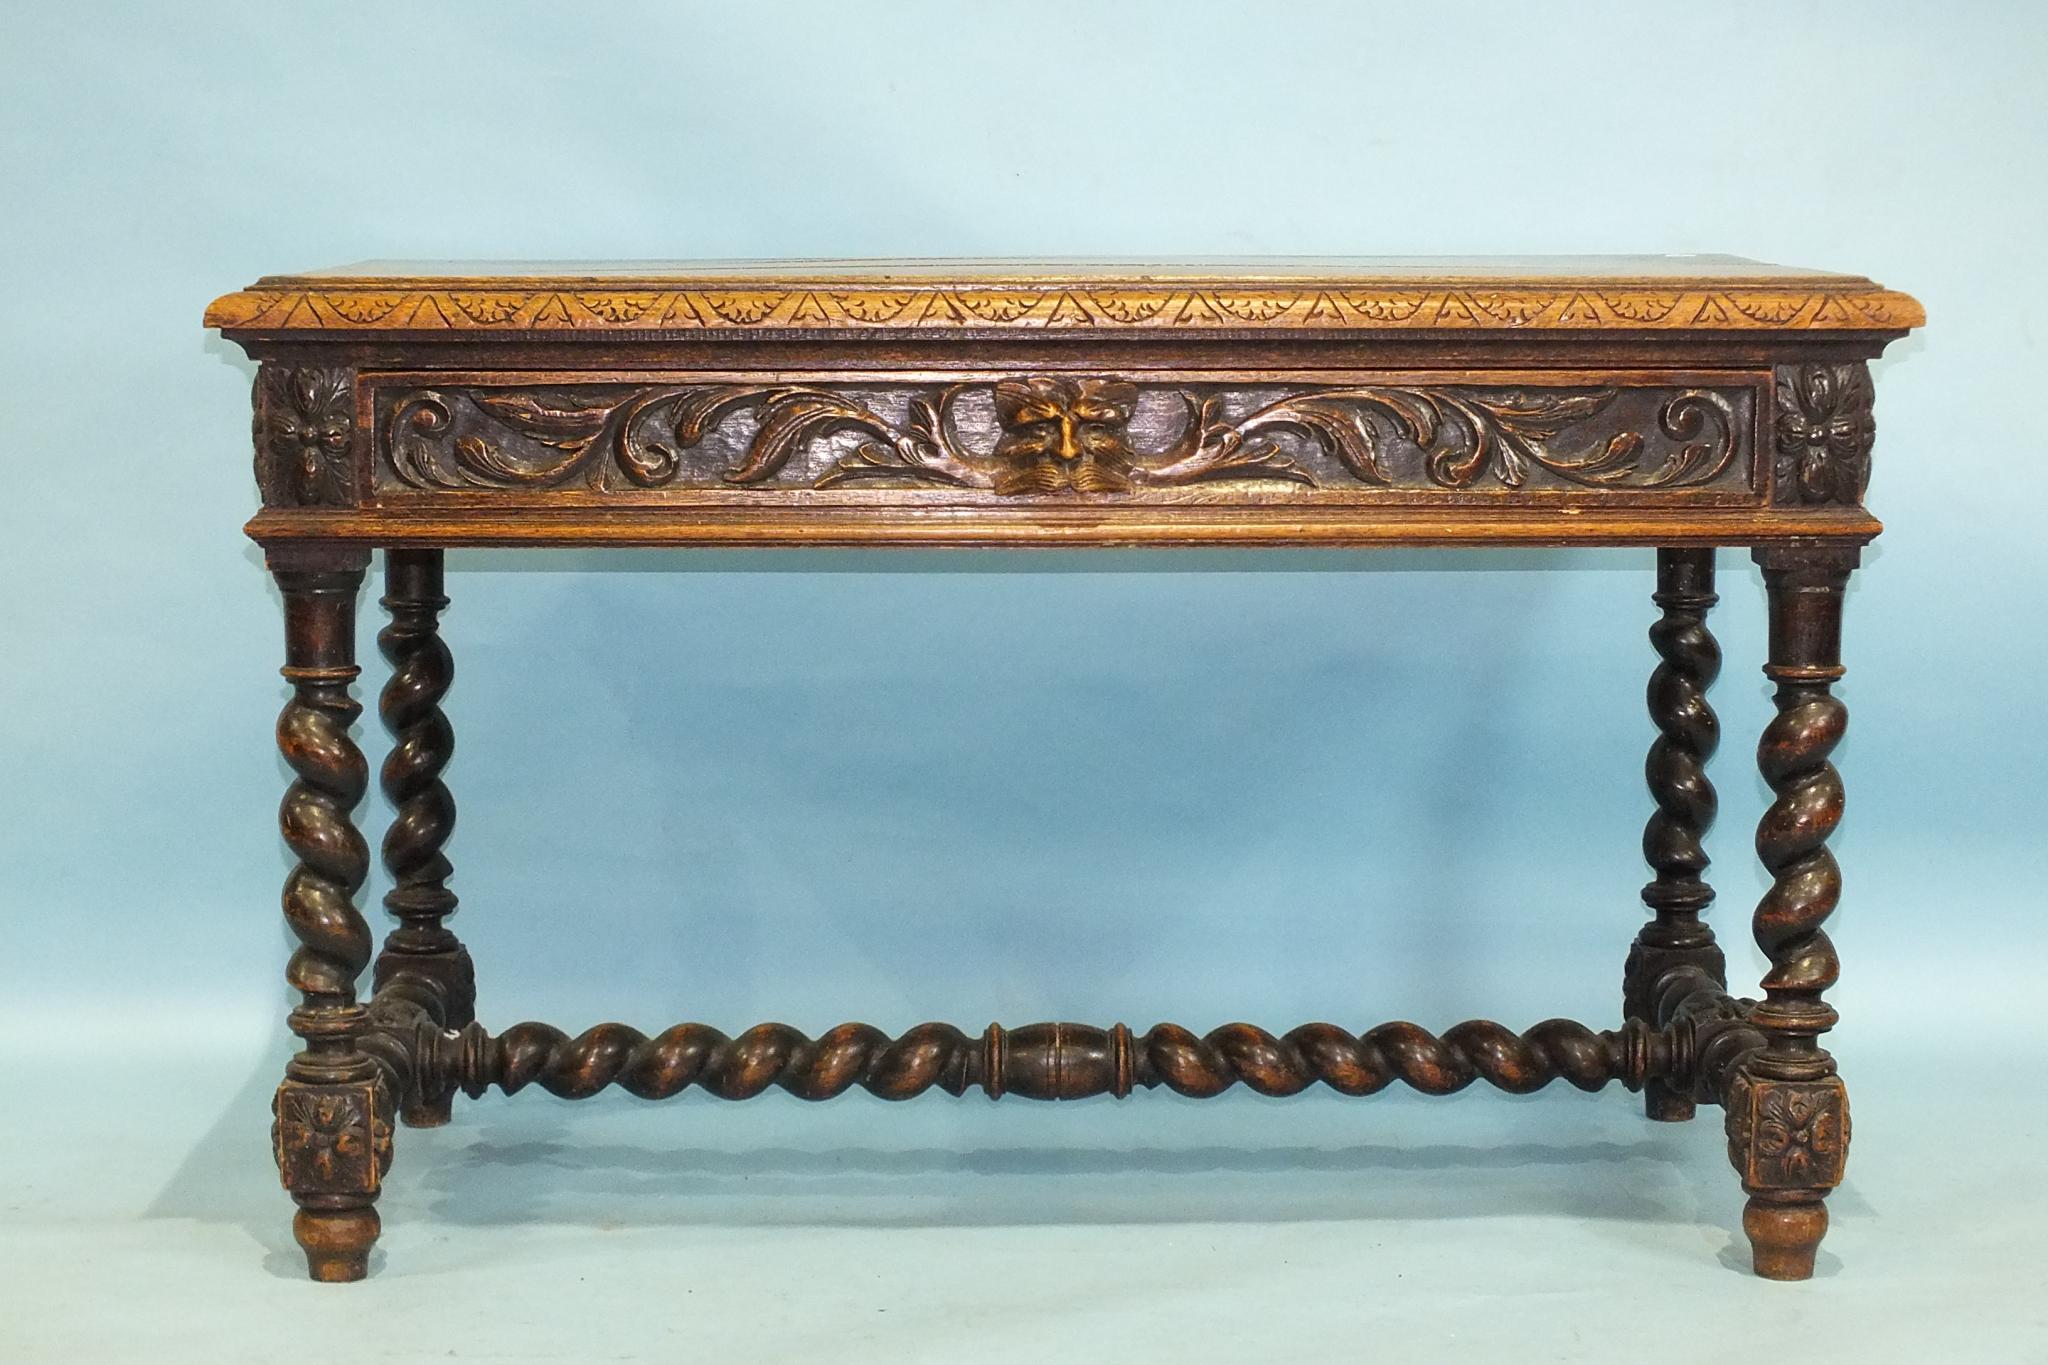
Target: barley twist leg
[[1788, 1113], [1676, 771], [421, 947], [333, 1113]]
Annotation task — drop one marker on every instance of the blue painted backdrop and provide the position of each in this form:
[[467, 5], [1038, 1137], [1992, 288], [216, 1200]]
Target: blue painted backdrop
[[898, 786]]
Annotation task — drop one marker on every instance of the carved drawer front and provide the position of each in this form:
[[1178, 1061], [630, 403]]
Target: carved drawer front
[[798, 440]]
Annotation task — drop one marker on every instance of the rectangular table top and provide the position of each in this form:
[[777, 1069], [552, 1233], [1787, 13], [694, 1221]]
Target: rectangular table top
[[1334, 294], [1641, 400]]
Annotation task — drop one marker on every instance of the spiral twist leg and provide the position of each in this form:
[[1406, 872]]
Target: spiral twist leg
[[1041, 1061], [333, 1112], [1687, 735], [1788, 1114], [423, 810]]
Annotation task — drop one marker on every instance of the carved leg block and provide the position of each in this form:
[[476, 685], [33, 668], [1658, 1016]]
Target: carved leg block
[[1648, 967]]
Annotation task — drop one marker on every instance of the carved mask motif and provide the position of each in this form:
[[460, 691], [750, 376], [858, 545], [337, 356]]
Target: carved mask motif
[[1064, 434]]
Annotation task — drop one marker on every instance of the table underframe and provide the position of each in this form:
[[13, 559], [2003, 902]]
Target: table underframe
[[1683, 1040]]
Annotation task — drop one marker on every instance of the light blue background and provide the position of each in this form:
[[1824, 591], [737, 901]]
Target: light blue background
[[896, 786]]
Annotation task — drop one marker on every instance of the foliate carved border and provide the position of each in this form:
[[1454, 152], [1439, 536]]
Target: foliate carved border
[[538, 306], [304, 429], [1063, 436], [1788, 1135]]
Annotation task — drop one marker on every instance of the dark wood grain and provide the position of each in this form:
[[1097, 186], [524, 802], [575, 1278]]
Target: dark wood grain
[[1678, 404]]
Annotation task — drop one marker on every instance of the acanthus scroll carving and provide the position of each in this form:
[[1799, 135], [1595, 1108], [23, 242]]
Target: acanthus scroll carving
[[305, 435], [1058, 435], [1824, 432]]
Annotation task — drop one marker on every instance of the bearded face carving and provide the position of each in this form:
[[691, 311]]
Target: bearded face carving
[[1064, 435]]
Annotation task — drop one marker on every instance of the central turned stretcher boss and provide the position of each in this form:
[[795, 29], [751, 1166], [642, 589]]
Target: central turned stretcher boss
[[1671, 403]]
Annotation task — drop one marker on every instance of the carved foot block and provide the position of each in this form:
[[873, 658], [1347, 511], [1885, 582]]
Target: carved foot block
[[1790, 1141], [333, 1145], [332, 1139]]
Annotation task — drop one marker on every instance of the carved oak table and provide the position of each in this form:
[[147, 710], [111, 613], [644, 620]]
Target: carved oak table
[[1677, 404]]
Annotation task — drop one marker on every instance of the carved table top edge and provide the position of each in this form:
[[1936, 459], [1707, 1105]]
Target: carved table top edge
[[1337, 296]]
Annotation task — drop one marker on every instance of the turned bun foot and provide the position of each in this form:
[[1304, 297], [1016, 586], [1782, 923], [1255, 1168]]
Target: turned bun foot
[[337, 1242], [1784, 1237]]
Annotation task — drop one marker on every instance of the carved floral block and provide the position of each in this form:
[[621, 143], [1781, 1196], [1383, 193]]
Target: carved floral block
[[1824, 432], [1788, 1135], [1060, 436], [305, 435], [332, 1138]]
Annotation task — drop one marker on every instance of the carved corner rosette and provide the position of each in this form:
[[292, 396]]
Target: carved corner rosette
[[332, 1138], [304, 429], [1788, 1135], [1059, 436], [1824, 433]]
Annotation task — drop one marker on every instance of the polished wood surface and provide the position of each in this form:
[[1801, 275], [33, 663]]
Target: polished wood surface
[[1679, 404], [1103, 269]]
